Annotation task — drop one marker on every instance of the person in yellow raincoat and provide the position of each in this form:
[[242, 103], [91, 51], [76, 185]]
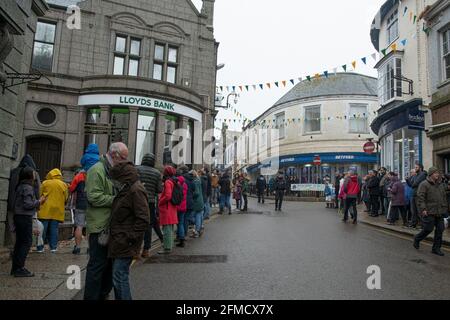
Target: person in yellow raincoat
[[51, 213]]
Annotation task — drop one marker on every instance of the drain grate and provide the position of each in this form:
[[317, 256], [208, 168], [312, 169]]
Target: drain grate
[[187, 259]]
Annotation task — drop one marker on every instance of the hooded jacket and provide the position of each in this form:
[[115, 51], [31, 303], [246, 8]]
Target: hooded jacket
[[204, 181], [167, 210], [100, 194], [198, 204], [432, 197], [182, 208], [150, 178], [261, 184], [78, 186], [26, 202], [91, 156], [189, 180], [225, 184], [397, 191], [373, 185], [57, 193], [130, 213], [280, 183], [351, 187], [27, 161]]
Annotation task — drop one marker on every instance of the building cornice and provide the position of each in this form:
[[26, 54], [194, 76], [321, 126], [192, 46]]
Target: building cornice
[[398, 53], [436, 9]]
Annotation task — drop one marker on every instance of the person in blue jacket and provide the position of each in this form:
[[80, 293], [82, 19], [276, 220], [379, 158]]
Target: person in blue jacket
[[91, 156]]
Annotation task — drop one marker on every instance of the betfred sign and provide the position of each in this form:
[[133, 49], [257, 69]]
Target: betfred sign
[[369, 147], [317, 161]]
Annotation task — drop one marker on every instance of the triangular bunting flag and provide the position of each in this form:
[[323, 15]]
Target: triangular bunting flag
[[403, 42], [276, 83], [394, 47], [383, 52], [344, 67], [410, 16], [300, 79], [221, 88], [254, 87], [364, 60], [354, 64], [308, 78], [246, 87], [326, 74], [284, 83], [405, 10], [234, 88], [292, 81], [228, 88], [261, 86], [240, 87], [374, 56], [415, 17], [317, 76], [268, 84]]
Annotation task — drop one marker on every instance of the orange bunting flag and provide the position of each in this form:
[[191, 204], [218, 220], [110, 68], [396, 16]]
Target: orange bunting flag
[[410, 15], [240, 87], [284, 83], [317, 76], [354, 64], [268, 85]]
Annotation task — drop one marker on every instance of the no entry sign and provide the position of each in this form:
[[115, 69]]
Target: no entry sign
[[317, 161], [369, 147]]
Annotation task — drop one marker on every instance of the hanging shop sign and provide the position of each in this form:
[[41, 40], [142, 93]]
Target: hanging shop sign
[[138, 101]]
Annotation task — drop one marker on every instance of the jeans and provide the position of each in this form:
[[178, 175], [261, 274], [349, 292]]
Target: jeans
[[260, 196], [207, 208], [239, 204], [245, 198], [24, 230], [198, 220], [98, 271], [168, 237], [50, 231], [153, 225], [350, 202], [225, 201], [429, 223], [279, 199], [181, 231], [120, 277], [394, 214], [386, 202], [215, 196]]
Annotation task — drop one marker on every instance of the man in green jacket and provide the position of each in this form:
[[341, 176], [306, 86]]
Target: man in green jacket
[[432, 206], [245, 191], [100, 194]]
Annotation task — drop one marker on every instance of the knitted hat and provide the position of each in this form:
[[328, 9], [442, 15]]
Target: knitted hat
[[433, 170]]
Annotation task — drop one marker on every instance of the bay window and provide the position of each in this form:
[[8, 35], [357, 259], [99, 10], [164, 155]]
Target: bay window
[[446, 54], [389, 84]]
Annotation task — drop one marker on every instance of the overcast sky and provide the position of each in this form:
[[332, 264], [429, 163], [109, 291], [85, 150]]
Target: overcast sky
[[265, 40]]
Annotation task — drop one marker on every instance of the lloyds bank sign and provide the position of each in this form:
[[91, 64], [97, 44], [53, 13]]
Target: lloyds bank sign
[[138, 101]]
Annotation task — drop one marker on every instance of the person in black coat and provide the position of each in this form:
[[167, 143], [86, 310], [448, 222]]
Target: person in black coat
[[373, 185], [260, 188], [225, 192], [337, 181]]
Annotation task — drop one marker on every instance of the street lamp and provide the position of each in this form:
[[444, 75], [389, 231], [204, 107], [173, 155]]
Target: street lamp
[[236, 97]]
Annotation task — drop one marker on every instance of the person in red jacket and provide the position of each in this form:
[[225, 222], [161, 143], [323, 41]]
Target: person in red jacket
[[168, 216], [351, 189], [181, 209]]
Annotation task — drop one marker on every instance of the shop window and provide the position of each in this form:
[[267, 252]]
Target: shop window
[[280, 124], [120, 119], [312, 120], [92, 118], [446, 54], [358, 118], [145, 136], [44, 45], [392, 27], [398, 152], [165, 63], [389, 85], [171, 124], [127, 54]]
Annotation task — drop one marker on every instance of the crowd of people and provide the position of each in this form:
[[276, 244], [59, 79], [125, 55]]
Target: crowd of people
[[423, 200]]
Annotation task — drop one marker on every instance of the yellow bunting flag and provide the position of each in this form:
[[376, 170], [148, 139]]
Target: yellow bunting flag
[[394, 47], [354, 64], [317, 76], [268, 85], [284, 83]]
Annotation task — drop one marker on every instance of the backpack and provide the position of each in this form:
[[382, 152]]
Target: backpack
[[177, 193]]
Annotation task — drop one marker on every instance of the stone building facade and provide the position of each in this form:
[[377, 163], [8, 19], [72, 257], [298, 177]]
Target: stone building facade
[[17, 27], [134, 72], [438, 36]]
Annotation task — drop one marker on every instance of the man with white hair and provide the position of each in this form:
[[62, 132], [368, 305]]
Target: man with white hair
[[100, 194]]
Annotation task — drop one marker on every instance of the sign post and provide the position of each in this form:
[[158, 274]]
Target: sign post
[[369, 147]]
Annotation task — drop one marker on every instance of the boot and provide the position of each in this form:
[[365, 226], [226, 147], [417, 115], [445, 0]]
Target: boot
[[437, 252], [181, 243]]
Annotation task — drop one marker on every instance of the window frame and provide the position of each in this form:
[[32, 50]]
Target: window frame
[[366, 118], [277, 125], [127, 56], [391, 21], [305, 109], [445, 38], [390, 89], [55, 24], [165, 63]]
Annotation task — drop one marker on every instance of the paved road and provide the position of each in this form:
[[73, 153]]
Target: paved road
[[305, 252]]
